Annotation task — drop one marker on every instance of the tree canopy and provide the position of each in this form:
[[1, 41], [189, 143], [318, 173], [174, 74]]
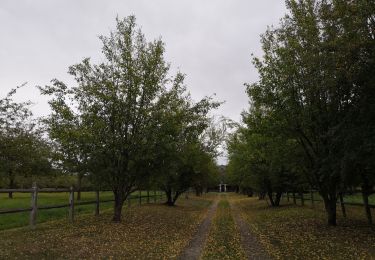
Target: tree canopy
[[316, 89], [23, 150], [127, 118]]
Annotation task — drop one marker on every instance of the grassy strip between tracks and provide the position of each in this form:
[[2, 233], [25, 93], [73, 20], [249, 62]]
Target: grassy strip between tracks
[[223, 240]]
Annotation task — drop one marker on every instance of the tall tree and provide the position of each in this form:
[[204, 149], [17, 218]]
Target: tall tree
[[182, 155], [263, 158], [306, 79], [114, 103], [23, 151]]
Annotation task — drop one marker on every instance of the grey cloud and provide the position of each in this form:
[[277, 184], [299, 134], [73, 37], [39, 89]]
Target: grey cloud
[[211, 41]]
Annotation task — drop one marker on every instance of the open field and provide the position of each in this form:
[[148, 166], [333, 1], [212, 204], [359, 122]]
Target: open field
[[150, 231], [295, 232], [22, 200]]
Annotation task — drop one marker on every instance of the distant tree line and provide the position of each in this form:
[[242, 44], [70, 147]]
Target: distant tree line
[[126, 124], [311, 121]]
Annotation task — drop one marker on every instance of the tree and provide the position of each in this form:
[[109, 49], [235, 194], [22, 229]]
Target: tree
[[312, 76], [72, 145], [262, 158], [23, 151], [114, 103], [182, 157]]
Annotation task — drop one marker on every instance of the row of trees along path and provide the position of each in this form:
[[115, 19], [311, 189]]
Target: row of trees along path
[[311, 123]]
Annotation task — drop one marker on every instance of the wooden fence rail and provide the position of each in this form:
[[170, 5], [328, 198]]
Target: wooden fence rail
[[33, 209], [312, 199], [340, 202]]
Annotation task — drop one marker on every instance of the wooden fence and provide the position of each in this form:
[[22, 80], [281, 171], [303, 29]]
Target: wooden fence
[[340, 201], [34, 208]]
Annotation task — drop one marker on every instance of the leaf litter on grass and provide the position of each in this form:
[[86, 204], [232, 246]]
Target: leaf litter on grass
[[151, 231], [295, 232]]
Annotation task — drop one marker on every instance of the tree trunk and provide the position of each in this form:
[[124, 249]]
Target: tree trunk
[[176, 196], [198, 191], [11, 186], [302, 199], [278, 199], [79, 184], [119, 202], [170, 201], [271, 198], [343, 210], [294, 198], [365, 195], [330, 207]]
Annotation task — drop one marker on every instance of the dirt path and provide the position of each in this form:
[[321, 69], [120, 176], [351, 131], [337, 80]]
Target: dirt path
[[194, 248], [250, 244]]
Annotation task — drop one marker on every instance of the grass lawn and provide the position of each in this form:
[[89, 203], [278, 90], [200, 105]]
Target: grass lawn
[[150, 231], [22, 200], [223, 241], [295, 232]]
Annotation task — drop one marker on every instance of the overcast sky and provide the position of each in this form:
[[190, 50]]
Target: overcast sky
[[209, 40]]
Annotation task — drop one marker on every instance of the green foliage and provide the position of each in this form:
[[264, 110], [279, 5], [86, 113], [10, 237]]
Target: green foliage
[[316, 91], [263, 158], [127, 123], [182, 157], [23, 150], [106, 121]]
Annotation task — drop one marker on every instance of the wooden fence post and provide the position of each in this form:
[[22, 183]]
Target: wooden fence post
[[97, 203], [148, 196], [71, 204], [342, 205], [34, 205], [140, 197]]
